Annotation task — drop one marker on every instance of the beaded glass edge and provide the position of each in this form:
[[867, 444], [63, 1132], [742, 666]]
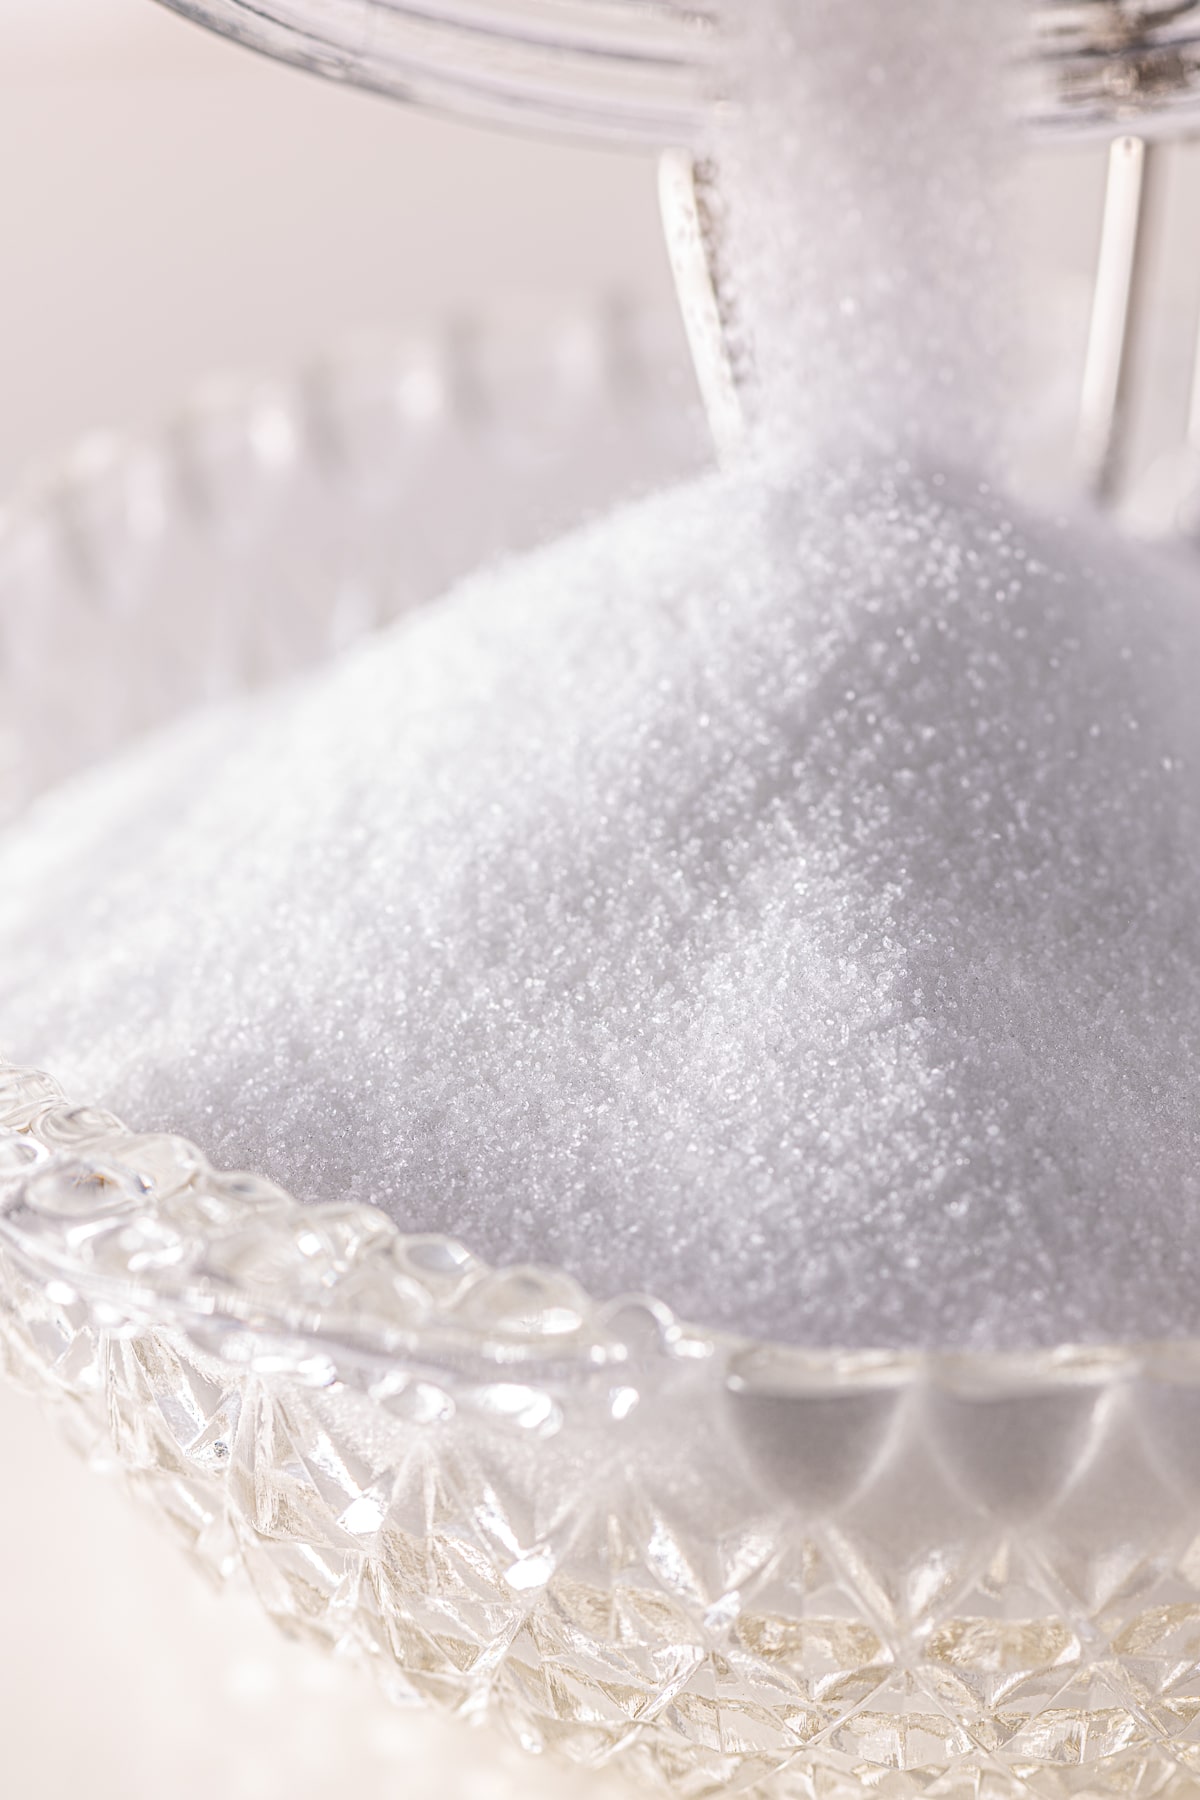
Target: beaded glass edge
[[144, 1228]]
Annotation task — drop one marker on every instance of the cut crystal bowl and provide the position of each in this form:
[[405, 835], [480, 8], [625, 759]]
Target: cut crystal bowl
[[724, 1567]]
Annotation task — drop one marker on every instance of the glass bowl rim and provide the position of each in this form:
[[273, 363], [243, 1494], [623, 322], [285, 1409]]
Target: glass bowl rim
[[146, 1234]]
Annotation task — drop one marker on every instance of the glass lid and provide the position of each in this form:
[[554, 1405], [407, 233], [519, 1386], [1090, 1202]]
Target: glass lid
[[639, 71], [648, 71]]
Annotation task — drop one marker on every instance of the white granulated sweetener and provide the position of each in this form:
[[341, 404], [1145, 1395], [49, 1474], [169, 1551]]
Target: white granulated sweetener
[[781, 897], [781, 901]]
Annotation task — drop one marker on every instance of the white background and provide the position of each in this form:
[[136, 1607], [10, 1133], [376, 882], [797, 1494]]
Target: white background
[[172, 206]]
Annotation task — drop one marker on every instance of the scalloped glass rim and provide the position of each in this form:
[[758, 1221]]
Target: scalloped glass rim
[[142, 1227]]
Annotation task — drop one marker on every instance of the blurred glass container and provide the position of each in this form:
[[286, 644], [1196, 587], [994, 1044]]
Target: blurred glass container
[[272, 522]]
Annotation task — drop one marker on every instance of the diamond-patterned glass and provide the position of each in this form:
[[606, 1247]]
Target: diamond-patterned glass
[[725, 1568]]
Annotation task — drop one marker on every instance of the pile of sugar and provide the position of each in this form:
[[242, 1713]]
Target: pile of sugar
[[782, 900], [782, 897]]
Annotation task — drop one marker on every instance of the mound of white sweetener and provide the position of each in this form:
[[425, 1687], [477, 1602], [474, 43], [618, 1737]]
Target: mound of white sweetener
[[782, 898]]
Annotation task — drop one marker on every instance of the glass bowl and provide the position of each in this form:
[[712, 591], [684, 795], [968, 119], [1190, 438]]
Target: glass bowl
[[274, 520], [719, 1566], [649, 71]]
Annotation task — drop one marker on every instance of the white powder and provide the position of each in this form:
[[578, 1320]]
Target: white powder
[[783, 901], [781, 897], [869, 220]]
